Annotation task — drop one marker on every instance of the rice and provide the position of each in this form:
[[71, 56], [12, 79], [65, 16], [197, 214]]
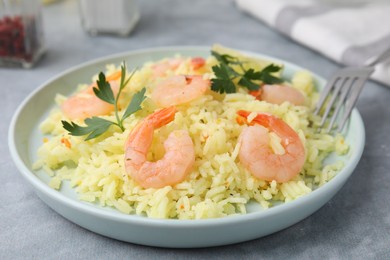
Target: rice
[[218, 185]]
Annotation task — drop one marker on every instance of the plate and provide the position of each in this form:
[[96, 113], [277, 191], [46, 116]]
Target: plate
[[25, 138]]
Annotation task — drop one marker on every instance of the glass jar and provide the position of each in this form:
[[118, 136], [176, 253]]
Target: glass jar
[[117, 17], [21, 34]]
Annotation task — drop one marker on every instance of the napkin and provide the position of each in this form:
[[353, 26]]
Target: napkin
[[348, 33]]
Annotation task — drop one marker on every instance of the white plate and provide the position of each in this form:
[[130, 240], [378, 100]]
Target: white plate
[[25, 138]]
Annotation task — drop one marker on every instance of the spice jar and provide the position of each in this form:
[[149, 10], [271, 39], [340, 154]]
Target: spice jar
[[21, 36], [117, 17]]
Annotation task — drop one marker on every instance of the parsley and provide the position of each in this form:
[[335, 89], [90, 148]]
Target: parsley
[[222, 82], [225, 75], [95, 126]]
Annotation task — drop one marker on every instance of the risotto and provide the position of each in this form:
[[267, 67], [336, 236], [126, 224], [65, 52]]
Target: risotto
[[217, 183]]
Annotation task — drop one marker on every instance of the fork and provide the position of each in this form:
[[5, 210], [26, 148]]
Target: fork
[[343, 90]]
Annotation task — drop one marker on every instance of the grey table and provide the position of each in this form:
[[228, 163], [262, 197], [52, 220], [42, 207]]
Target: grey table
[[354, 224]]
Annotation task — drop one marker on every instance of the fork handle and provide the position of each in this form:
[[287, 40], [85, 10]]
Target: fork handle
[[376, 59]]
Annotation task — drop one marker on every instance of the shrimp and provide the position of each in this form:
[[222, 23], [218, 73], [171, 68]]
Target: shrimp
[[177, 162], [86, 104], [277, 94], [180, 89], [258, 157], [161, 69]]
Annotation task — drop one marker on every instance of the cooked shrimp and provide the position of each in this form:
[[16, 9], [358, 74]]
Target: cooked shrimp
[[258, 157], [277, 94], [180, 89], [173, 167], [161, 69], [86, 104]]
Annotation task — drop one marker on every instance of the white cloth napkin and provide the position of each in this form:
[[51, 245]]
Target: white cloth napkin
[[350, 34]]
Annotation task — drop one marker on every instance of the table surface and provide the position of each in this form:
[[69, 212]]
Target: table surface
[[355, 223]]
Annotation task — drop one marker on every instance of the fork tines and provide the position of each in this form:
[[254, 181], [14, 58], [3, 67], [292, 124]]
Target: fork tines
[[341, 91]]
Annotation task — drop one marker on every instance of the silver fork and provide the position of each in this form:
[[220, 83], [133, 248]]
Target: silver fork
[[343, 90]]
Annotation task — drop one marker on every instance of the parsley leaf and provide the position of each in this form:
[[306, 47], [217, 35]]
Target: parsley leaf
[[95, 126], [264, 76], [104, 91], [246, 80], [222, 83], [267, 77], [135, 103], [225, 74], [224, 58]]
